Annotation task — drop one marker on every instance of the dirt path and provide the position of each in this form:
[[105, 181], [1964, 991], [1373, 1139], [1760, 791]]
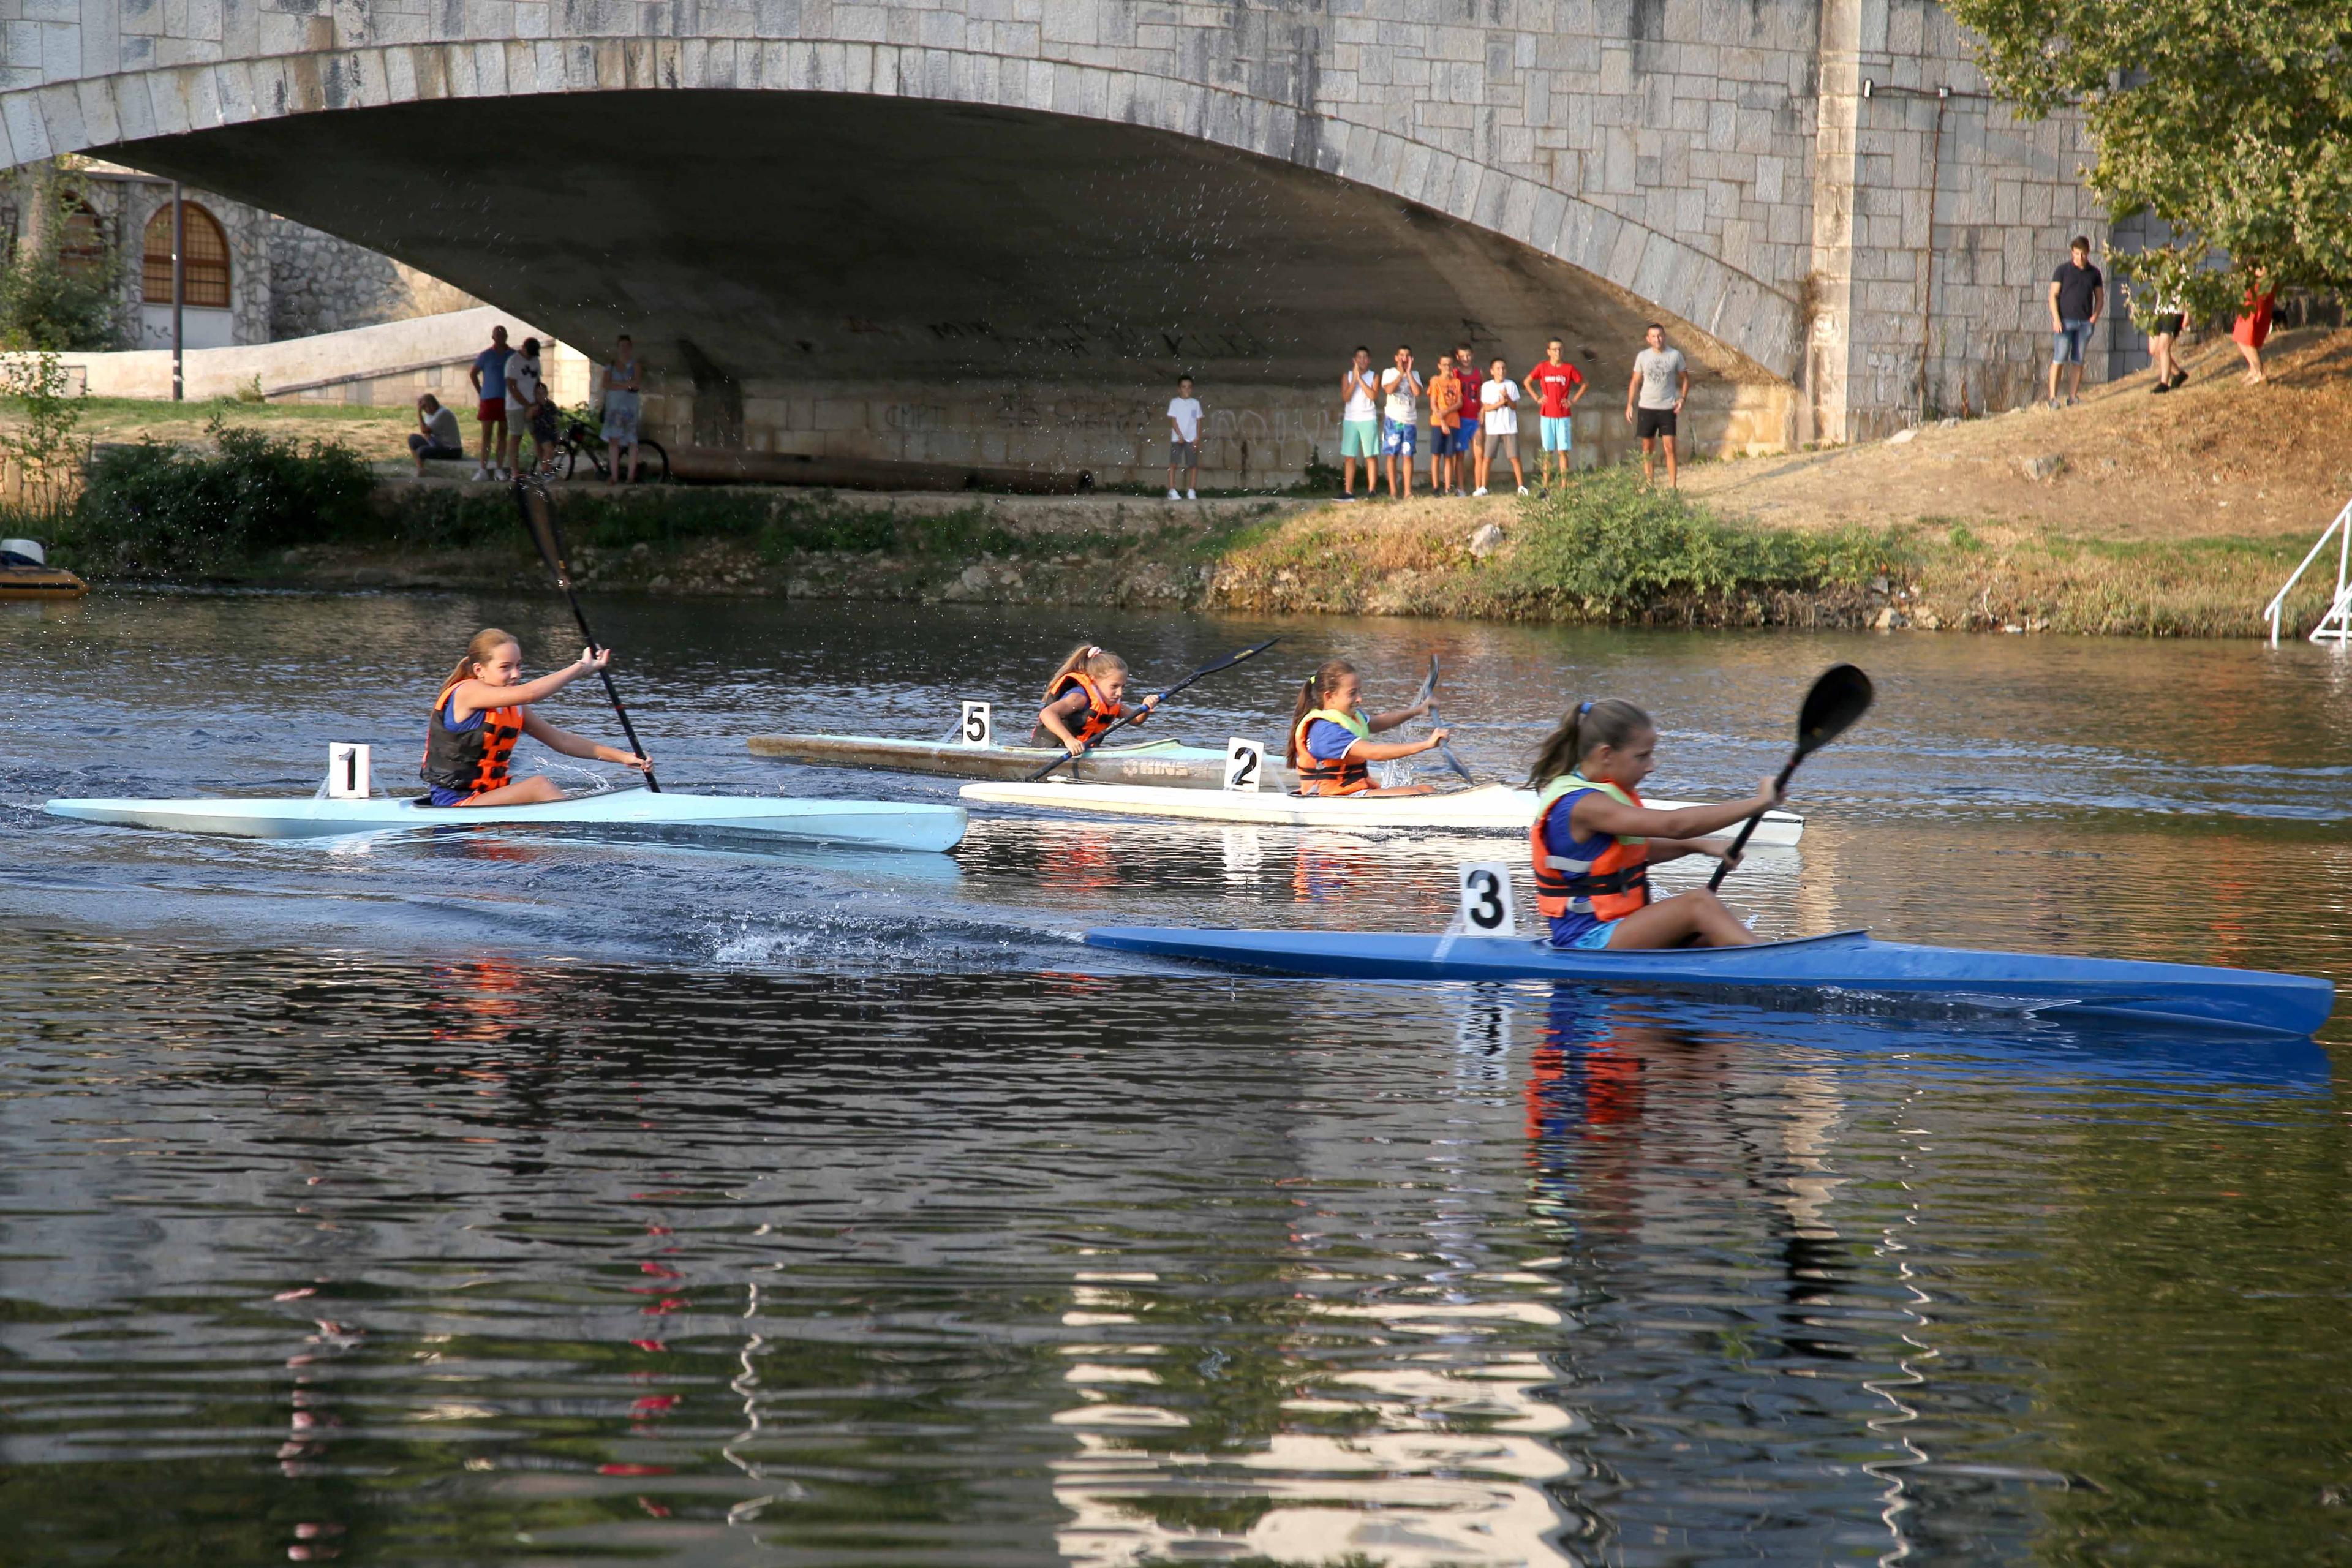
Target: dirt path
[[2214, 458]]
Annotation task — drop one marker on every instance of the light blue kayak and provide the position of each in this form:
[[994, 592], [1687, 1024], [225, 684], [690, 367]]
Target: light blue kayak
[[1847, 965], [872, 823]]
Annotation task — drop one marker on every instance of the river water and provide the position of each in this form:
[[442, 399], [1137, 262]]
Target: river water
[[540, 1200]]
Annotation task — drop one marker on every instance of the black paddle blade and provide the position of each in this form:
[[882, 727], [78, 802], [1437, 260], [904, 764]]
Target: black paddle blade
[[1840, 697], [539, 520]]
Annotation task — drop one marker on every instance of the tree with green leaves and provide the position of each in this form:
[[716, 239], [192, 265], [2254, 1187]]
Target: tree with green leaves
[[2229, 119], [49, 300]]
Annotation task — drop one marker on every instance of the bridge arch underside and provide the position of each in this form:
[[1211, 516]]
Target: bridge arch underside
[[884, 278]]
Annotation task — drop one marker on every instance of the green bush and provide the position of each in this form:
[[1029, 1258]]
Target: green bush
[[1602, 546], [156, 508]]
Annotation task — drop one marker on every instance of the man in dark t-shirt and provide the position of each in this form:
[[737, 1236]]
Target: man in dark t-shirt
[[2078, 293]]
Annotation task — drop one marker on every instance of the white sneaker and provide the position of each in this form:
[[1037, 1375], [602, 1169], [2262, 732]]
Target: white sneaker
[[482, 475], [1191, 495], [1479, 492], [506, 473], [1173, 496], [1523, 490]]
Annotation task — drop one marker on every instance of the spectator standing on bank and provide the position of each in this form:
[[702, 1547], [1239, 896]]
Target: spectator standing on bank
[[524, 390], [2252, 327], [1183, 440], [1466, 439], [489, 378], [1498, 402], [2078, 293], [1399, 421], [436, 433], [1444, 420], [624, 379], [1359, 425], [1661, 381], [1557, 387], [2163, 335]]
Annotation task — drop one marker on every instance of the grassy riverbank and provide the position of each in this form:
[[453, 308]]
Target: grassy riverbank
[[2129, 515]]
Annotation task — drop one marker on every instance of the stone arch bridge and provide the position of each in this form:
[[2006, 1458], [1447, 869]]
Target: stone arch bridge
[[996, 230]]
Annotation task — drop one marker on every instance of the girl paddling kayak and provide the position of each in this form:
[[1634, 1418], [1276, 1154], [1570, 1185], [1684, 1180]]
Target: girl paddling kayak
[[484, 708], [1087, 696], [1593, 841], [1331, 743]]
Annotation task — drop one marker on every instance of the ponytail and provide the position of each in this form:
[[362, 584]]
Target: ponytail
[[1311, 694], [1095, 662], [1587, 726], [486, 641]]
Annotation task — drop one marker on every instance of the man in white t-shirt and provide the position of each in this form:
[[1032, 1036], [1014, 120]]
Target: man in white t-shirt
[[1399, 421], [524, 390], [1661, 383], [1183, 440], [1498, 400]]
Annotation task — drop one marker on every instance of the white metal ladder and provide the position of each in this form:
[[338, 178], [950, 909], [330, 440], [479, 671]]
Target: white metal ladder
[[2336, 626]]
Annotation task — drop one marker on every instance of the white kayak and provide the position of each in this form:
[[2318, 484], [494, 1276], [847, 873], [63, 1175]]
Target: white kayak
[[873, 824], [1490, 808]]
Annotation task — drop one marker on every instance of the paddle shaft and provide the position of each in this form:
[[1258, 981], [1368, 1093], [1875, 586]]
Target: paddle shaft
[[1748, 828], [1444, 748], [1225, 663], [551, 547]]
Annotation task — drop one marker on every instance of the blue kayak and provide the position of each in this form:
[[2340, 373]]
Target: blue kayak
[[1846, 966]]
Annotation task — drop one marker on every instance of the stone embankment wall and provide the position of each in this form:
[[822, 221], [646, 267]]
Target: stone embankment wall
[[323, 284]]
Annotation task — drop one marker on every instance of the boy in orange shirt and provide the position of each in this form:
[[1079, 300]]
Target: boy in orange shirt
[[1444, 421]]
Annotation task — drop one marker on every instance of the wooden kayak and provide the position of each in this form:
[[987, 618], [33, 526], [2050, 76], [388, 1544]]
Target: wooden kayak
[[1172, 763]]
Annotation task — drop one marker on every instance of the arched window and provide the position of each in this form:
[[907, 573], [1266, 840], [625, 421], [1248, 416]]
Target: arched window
[[204, 265]]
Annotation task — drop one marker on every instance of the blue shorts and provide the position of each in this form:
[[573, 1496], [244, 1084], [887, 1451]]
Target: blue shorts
[[1359, 438], [1557, 433], [450, 796], [1591, 936], [1398, 440], [2070, 342], [1463, 438]]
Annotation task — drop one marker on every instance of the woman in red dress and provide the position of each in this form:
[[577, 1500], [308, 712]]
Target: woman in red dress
[[2253, 326]]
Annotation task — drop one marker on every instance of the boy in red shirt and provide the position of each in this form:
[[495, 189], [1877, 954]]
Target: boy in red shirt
[[1557, 387]]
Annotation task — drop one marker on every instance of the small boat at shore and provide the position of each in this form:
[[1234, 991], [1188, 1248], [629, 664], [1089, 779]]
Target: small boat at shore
[[1487, 808], [1846, 968], [25, 574], [1172, 763], [866, 824]]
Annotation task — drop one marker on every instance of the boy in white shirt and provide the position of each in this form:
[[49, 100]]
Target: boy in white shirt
[[1399, 420], [1183, 439], [1498, 396]]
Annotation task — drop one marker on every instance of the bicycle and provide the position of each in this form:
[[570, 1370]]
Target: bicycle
[[583, 436]]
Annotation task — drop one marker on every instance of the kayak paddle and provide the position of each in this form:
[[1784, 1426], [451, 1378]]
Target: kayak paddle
[[1446, 749], [539, 516], [1227, 662], [1839, 697]]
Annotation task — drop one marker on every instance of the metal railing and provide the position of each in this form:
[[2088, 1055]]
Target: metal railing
[[2336, 626]]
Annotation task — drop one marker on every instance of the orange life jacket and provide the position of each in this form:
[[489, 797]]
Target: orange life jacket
[[470, 759], [1608, 889], [1343, 775], [1100, 714]]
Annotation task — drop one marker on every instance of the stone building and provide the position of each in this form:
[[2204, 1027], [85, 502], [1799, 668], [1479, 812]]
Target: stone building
[[248, 277]]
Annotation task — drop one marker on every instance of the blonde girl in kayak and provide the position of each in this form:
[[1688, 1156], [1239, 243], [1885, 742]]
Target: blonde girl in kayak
[[1331, 743], [1087, 696], [1593, 841], [484, 708]]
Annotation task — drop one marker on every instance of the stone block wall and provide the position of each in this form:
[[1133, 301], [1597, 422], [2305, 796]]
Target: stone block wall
[[323, 284]]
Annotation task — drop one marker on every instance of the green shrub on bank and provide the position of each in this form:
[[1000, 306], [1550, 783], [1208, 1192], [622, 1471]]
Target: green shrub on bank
[[156, 508], [1603, 547]]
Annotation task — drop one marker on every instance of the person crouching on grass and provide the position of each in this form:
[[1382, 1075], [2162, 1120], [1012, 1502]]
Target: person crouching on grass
[[1593, 841], [1331, 745], [484, 708]]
